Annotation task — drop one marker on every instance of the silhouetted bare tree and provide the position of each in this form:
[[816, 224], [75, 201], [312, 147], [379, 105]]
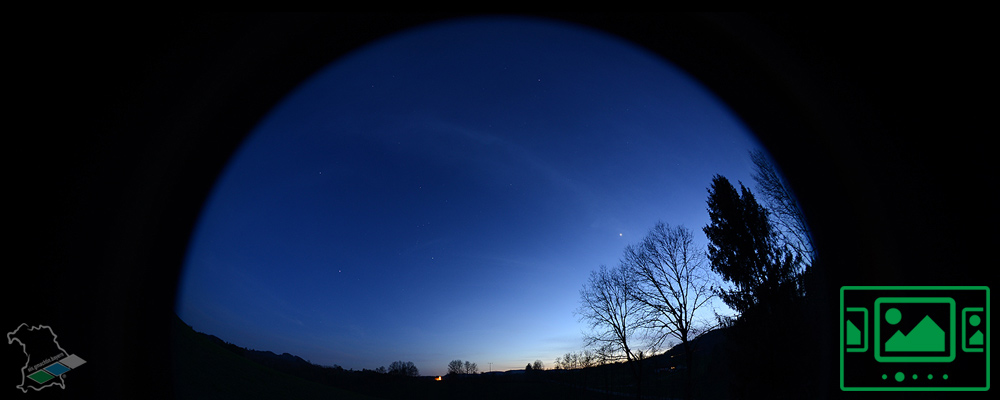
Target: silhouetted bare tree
[[455, 367], [783, 208], [471, 368], [669, 277], [586, 359], [615, 318], [401, 368], [569, 361], [604, 354]]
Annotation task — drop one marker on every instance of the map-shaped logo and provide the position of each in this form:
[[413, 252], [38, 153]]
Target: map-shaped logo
[[47, 363]]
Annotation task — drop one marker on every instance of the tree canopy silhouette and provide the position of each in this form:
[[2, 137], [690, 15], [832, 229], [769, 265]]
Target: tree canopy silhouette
[[401, 368], [471, 368], [455, 367], [608, 305], [668, 276], [767, 291]]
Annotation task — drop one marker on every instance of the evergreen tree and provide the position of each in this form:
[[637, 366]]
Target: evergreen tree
[[770, 333], [743, 248]]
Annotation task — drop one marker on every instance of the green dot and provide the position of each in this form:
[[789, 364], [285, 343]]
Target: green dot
[[914, 376], [930, 376], [974, 320], [945, 376], [892, 316], [884, 376], [900, 377]]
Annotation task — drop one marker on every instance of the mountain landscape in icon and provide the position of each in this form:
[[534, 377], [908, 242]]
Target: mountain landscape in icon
[[926, 336]]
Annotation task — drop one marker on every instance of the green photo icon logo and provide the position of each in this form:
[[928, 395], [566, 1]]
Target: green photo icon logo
[[914, 338], [927, 340]]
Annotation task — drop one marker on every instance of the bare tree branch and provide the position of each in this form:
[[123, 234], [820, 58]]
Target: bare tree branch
[[612, 314], [668, 276], [786, 215]]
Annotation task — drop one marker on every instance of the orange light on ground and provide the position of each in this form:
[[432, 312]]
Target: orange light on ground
[[438, 378]]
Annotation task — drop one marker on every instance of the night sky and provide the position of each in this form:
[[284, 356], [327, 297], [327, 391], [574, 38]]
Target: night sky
[[444, 193]]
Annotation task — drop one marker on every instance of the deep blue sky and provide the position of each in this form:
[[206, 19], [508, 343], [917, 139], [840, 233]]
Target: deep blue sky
[[444, 193]]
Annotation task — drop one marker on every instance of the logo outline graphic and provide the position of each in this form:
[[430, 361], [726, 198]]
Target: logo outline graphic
[[49, 371], [878, 338], [980, 341]]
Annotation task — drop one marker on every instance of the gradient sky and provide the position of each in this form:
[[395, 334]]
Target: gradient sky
[[444, 193]]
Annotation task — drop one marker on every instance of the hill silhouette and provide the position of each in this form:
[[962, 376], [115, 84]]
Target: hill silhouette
[[207, 367]]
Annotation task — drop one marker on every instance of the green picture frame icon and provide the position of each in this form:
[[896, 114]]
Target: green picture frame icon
[[926, 321], [975, 322], [950, 343]]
